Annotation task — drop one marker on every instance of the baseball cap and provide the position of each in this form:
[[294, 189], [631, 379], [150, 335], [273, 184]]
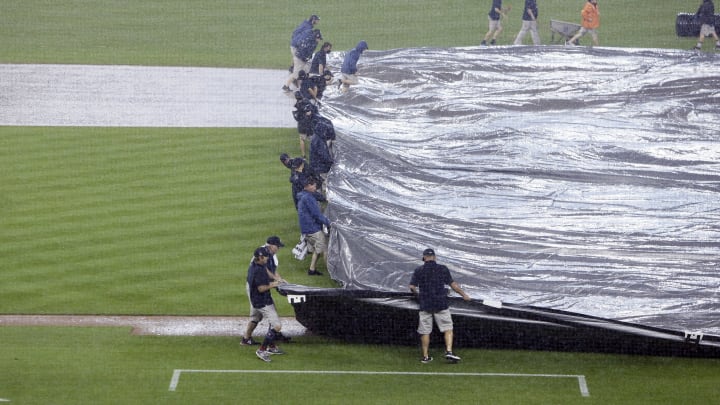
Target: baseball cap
[[261, 251], [297, 162], [309, 180], [428, 252], [274, 240], [314, 18]]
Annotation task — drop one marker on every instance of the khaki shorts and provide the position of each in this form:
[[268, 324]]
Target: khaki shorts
[[443, 319], [494, 25], [349, 79], [706, 30], [298, 65], [317, 242], [267, 312]]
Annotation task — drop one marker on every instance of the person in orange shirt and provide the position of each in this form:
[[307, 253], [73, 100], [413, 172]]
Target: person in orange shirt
[[590, 23]]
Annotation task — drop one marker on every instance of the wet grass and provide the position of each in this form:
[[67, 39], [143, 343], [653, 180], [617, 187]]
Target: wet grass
[[42, 365], [255, 34], [140, 221]]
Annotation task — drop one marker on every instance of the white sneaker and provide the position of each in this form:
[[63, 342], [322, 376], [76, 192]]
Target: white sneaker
[[263, 355]]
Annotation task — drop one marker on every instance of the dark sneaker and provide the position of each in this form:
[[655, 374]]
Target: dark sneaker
[[274, 350], [717, 46], [697, 47], [263, 355], [286, 89], [248, 342], [426, 360], [483, 42], [314, 273], [452, 356], [492, 42]]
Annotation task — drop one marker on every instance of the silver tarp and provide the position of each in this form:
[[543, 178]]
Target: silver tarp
[[585, 180]]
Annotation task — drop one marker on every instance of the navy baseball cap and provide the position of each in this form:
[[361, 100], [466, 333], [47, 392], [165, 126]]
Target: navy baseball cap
[[297, 162], [261, 252], [428, 252], [274, 240]]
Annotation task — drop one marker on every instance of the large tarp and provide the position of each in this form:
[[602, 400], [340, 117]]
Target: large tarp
[[570, 178]]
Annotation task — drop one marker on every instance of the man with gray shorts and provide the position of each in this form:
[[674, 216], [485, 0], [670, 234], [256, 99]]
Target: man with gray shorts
[[495, 16], [706, 16], [428, 284], [263, 306]]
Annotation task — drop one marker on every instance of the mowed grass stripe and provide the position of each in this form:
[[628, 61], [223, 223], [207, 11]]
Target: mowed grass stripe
[[140, 212]]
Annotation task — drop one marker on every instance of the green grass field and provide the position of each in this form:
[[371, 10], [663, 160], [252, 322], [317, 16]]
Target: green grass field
[[163, 221], [140, 221], [107, 365], [256, 34]]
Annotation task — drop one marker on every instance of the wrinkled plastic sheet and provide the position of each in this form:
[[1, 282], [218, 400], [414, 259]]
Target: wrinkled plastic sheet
[[569, 178]]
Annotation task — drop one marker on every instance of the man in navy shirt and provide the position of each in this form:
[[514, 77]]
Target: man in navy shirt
[[272, 245], [319, 61], [263, 306], [706, 17], [529, 23], [497, 12], [428, 283]]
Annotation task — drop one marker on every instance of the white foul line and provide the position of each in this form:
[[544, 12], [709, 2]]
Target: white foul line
[[582, 382]]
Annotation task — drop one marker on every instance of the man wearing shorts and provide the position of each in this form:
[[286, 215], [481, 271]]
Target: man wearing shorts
[[349, 66], [311, 224], [497, 12], [706, 17], [263, 306], [428, 284], [295, 39], [272, 246]]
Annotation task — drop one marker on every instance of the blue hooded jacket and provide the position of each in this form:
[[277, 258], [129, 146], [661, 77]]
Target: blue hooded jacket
[[299, 31], [309, 215], [349, 65], [306, 46]]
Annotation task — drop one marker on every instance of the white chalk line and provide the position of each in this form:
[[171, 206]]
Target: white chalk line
[[582, 382]]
